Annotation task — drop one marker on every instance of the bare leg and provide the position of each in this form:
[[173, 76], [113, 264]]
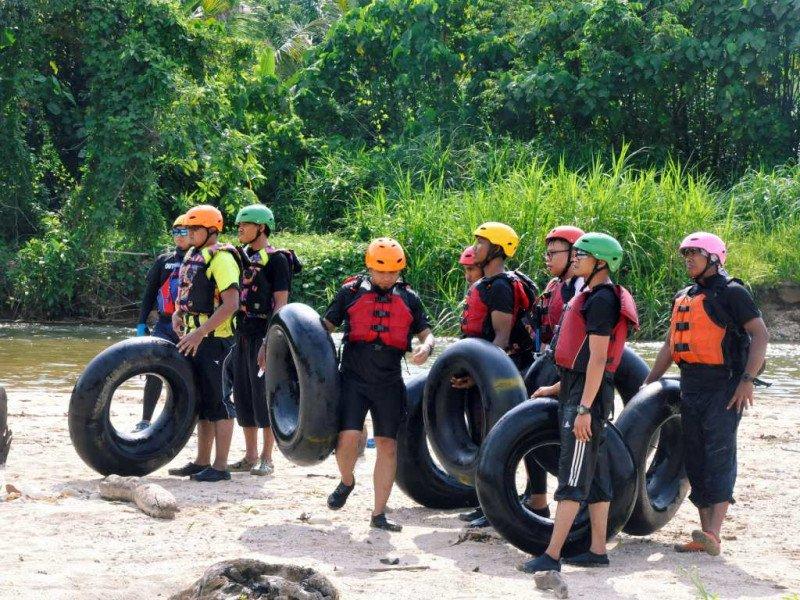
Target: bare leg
[[250, 444], [537, 501], [347, 454], [205, 441], [269, 444], [223, 432], [565, 516], [598, 515], [383, 476], [717, 517], [705, 518]]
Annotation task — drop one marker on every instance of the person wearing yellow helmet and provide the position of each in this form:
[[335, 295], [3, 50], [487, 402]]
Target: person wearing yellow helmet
[[380, 314], [208, 298], [160, 293]]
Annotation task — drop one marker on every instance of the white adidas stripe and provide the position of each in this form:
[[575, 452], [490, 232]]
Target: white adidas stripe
[[577, 462]]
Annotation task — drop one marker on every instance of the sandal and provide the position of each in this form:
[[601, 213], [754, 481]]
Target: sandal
[[241, 466]]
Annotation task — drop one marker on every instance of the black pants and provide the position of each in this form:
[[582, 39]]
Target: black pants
[[213, 403], [583, 472], [249, 390], [386, 403], [152, 385], [709, 436]]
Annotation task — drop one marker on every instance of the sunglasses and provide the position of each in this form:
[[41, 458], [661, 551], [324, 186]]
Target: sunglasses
[[551, 253], [693, 252], [180, 231]]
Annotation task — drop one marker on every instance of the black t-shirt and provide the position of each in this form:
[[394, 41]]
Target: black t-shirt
[[733, 304], [498, 295], [162, 268], [278, 274], [601, 310], [373, 363]]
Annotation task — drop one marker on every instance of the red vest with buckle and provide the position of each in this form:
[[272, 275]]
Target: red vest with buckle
[[551, 306], [572, 341], [379, 318], [476, 311]]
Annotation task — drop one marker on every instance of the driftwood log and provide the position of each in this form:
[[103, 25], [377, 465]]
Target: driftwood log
[[151, 499], [247, 579], [5, 432]]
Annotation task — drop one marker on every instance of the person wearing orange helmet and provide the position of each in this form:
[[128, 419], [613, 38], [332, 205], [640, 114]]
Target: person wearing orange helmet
[[380, 314], [719, 341], [208, 298], [160, 293]]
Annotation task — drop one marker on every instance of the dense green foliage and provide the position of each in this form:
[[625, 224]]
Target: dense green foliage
[[413, 117]]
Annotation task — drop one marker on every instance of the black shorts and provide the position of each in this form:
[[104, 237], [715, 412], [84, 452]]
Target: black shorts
[[249, 391], [583, 472], [213, 403], [385, 402]]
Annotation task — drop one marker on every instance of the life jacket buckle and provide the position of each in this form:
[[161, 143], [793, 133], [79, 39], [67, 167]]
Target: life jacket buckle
[[381, 313], [380, 328], [683, 326], [681, 347], [683, 308]]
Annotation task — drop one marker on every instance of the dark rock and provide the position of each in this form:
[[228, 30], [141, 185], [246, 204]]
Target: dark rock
[[5, 432], [246, 579]]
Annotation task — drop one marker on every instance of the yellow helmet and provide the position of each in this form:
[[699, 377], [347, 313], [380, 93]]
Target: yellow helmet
[[180, 221], [499, 234], [385, 255]]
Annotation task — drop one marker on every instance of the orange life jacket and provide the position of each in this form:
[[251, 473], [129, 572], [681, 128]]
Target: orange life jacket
[[702, 332], [572, 341], [379, 318]]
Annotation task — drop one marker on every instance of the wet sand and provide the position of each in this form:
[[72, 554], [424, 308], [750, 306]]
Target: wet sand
[[60, 540]]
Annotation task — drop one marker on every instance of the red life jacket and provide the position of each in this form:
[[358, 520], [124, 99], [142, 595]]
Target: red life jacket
[[476, 320], [168, 292], [375, 318], [197, 292], [550, 307], [572, 341]]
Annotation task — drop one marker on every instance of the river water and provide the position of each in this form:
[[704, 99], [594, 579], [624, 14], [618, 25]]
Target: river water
[[49, 358]]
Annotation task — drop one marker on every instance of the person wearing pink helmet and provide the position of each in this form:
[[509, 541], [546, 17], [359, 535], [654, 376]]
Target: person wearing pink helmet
[[718, 340]]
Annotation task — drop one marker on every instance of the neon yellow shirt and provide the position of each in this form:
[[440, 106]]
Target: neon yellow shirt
[[225, 272]]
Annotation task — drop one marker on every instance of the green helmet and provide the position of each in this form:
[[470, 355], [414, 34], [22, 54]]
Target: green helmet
[[256, 213], [603, 247]]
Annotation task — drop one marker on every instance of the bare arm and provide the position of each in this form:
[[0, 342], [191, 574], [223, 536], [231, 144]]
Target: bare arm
[[279, 300], [425, 348], [502, 323], [663, 362]]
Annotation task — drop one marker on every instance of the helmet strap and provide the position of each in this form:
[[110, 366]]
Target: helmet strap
[[711, 263], [594, 272], [564, 272], [495, 252]]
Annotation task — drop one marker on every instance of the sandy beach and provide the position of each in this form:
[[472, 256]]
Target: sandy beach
[[61, 540]]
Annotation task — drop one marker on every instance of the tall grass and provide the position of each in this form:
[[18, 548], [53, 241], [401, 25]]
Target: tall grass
[[648, 210]]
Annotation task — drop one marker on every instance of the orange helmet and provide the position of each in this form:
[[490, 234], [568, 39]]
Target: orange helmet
[[204, 215], [180, 221], [385, 255]]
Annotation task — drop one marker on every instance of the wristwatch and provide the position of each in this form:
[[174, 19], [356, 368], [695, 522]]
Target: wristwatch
[[583, 410], [747, 377]]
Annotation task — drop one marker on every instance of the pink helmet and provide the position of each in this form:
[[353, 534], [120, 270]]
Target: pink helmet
[[467, 256], [568, 233], [708, 242]]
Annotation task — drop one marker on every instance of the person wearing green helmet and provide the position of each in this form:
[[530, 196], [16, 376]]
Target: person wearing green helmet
[[265, 287], [588, 346]]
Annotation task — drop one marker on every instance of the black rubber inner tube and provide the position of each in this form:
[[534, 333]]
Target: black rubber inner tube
[[532, 427], [630, 374], [651, 427], [418, 475], [302, 385], [98, 442], [450, 426]]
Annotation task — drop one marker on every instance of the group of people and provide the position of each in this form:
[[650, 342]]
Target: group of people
[[214, 300]]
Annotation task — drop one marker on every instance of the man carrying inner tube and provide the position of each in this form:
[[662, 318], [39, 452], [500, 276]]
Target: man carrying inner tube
[[208, 298], [265, 289], [718, 340], [161, 293], [587, 346], [380, 315], [492, 312]]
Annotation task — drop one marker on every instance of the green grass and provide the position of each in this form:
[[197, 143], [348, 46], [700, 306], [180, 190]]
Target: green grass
[[648, 210]]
